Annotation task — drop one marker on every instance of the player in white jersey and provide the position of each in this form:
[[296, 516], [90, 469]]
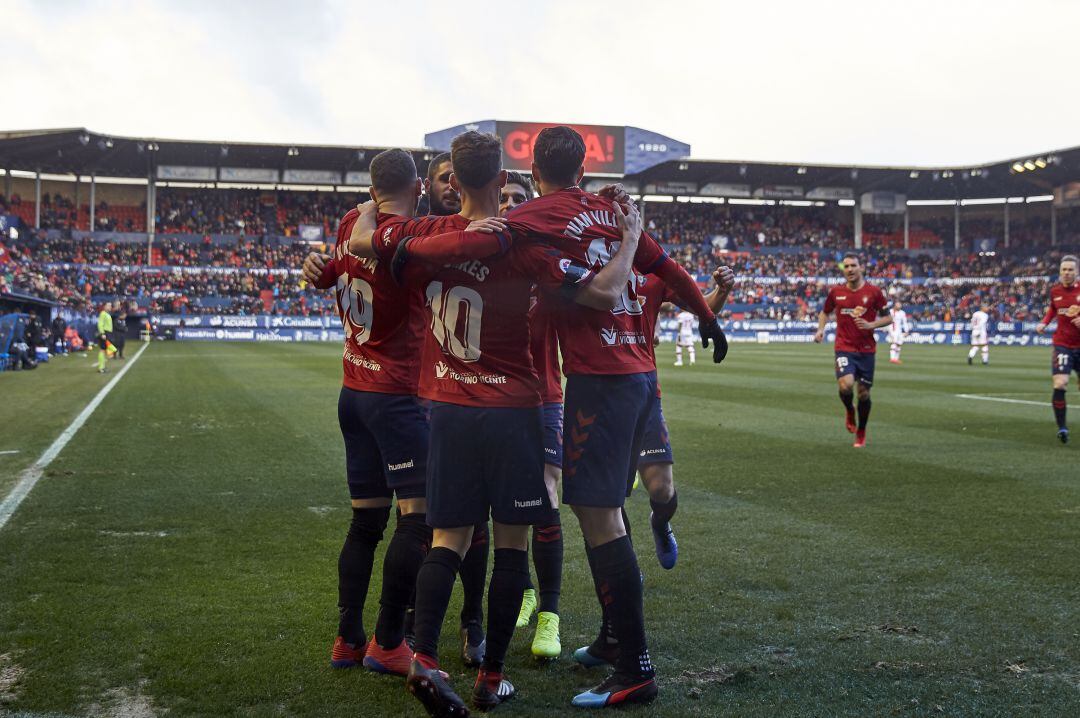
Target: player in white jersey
[[686, 336], [980, 321], [897, 331]]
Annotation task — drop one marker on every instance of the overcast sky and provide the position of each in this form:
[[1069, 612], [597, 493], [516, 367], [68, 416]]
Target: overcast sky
[[870, 81]]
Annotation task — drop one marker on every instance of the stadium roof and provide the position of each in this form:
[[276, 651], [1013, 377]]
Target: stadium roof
[[78, 150]]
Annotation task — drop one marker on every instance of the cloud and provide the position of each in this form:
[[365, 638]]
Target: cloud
[[842, 81]]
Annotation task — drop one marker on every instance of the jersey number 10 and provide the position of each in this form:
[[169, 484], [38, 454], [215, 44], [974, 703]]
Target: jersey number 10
[[455, 320]]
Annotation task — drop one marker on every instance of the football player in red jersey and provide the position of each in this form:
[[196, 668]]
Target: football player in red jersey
[[486, 423], [384, 427], [611, 382], [860, 309], [655, 459], [547, 538], [1065, 307]]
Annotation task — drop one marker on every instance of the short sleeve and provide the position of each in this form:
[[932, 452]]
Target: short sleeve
[[882, 302], [830, 303]]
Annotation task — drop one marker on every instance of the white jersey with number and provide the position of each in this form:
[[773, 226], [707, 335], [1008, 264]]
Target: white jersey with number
[[980, 320], [899, 326], [685, 320]]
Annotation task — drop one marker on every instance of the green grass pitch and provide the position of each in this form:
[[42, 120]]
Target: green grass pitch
[[179, 556]]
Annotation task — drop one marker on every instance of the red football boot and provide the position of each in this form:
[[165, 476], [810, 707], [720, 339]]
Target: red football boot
[[849, 421], [345, 655], [394, 661], [860, 439]]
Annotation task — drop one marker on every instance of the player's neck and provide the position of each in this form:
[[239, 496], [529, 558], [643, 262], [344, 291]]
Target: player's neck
[[856, 286], [480, 205], [546, 188], [399, 206]]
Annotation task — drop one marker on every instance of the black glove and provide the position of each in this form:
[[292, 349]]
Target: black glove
[[711, 330], [401, 258]]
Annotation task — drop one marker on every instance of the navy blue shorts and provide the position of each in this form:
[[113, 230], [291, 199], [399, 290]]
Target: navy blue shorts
[[656, 448], [386, 444], [859, 364], [1065, 360], [553, 428], [606, 420], [486, 458]]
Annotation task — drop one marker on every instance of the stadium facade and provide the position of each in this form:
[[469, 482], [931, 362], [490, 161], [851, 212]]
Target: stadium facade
[[650, 164]]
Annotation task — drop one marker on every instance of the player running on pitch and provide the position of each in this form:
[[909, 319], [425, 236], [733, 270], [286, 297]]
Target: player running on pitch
[[980, 320], [897, 331], [859, 311], [1065, 307], [685, 337]]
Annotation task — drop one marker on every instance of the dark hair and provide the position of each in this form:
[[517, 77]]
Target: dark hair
[[852, 255], [476, 157], [1071, 258], [525, 182], [438, 161], [392, 171], [558, 153]]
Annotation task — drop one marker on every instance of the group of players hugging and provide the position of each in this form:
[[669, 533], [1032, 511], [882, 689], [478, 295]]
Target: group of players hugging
[[452, 402]]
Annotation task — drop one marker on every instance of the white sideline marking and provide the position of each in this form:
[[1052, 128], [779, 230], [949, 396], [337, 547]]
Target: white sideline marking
[[10, 451], [995, 398], [32, 474]]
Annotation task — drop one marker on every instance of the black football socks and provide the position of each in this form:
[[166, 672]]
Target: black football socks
[[354, 570], [547, 550], [408, 547], [474, 576], [434, 584], [509, 575]]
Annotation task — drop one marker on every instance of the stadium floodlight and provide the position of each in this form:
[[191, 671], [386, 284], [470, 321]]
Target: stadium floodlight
[[1029, 165], [931, 202], [658, 198], [742, 170], [846, 203], [914, 174], [360, 155], [153, 147], [982, 200], [224, 151], [1040, 163], [946, 174], [801, 171], [1016, 200], [293, 152], [1017, 167], [1041, 198], [683, 166], [84, 139]]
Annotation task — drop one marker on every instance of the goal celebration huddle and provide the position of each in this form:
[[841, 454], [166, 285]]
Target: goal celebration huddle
[[460, 326]]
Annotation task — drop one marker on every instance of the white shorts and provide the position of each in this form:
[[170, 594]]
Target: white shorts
[[685, 340], [896, 338], [978, 338]]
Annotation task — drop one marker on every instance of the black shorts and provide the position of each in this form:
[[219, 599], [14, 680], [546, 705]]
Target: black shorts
[[607, 417], [858, 364], [553, 430], [1065, 360], [386, 444], [655, 447], [485, 458]]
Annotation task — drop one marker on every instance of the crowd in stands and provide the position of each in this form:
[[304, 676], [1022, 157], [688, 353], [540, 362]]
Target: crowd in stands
[[228, 274]]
